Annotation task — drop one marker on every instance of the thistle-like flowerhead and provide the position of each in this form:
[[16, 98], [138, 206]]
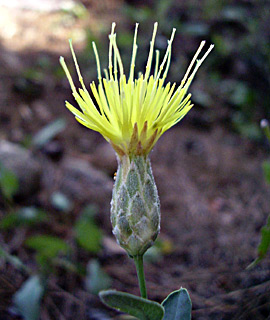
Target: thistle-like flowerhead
[[131, 113]]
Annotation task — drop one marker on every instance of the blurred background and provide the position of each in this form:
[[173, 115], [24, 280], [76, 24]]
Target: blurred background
[[56, 176]]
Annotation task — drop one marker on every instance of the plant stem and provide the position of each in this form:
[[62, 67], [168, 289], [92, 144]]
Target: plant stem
[[140, 273]]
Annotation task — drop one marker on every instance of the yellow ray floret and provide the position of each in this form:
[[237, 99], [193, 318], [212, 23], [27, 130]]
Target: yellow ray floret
[[133, 113]]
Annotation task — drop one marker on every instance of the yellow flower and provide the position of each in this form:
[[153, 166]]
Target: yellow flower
[[131, 113]]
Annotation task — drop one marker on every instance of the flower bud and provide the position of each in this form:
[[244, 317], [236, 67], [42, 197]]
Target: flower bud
[[135, 206]]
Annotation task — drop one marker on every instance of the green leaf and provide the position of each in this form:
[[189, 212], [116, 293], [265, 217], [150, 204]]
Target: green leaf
[[135, 306], [177, 305], [246, 128], [26, 301], [88, 235], [9, 182], [153, 254], [65, 263], [31, 214], [197, 29], [47, 247], [61, 202], [96, 279], [76, 9], [10, 220], [266, 170], [89, 212], [48, 132], [265, 241], [264, 244], [13, 260], [24, 216], [266, 128]]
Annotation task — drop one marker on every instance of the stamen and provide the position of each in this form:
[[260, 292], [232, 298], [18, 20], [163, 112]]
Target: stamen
[[157, 62], [192, 63], [110, 50], [198, 64], [115, 69], [167, 53], [116, 52], [64, 66], [97, 61], [207, 53], [168, 62], [76, 65], [150, 56], [134, 52], [106, 74]]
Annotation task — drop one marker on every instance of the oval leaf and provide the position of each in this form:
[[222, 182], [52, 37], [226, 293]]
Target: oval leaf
[[26, 301], [177, 305], [47, 246], [48, 132], [61, 202], [88, 235], [9, 182], [264, 244], [96, 279], [140, 308], [266, 170]]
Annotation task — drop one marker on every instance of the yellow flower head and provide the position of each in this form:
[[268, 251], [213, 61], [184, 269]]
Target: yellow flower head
[[133, 113]]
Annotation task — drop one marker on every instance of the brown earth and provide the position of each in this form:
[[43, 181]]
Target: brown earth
[[213, 196]]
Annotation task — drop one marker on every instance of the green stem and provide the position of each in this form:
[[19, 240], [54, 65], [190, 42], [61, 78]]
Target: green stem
[[266, 128], [140, 273], [267, 132]]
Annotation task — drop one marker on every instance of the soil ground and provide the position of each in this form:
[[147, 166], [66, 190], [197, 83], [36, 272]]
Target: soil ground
[[213, 196]]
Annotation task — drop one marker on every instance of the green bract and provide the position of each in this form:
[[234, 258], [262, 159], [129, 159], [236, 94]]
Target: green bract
[[135, 207]]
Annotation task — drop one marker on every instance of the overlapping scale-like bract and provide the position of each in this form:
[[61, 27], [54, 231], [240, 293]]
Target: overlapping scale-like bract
[[135, 207]]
